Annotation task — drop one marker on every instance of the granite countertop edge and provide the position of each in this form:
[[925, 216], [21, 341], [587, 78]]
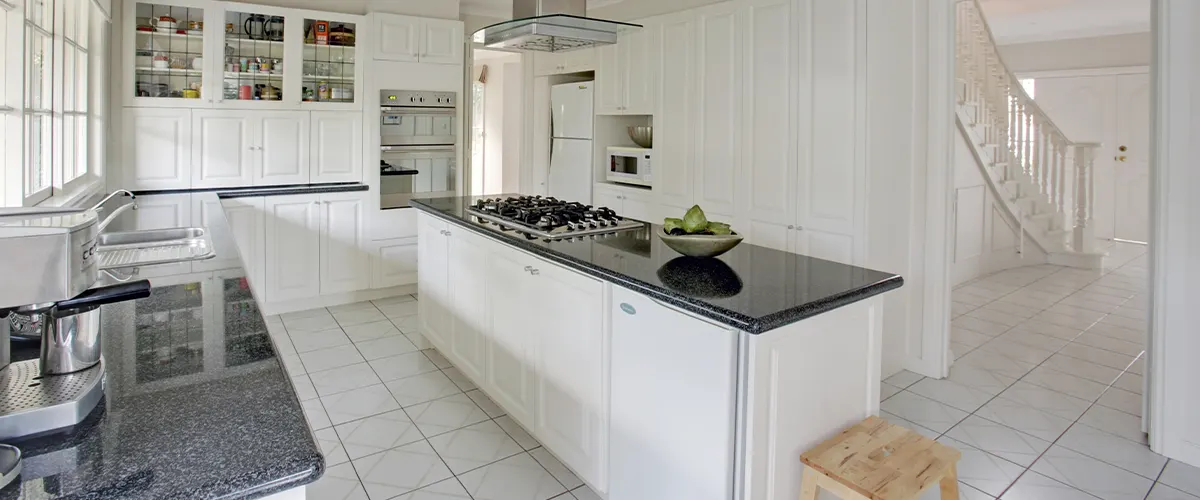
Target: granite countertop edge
[[257, 191], [724, 316]]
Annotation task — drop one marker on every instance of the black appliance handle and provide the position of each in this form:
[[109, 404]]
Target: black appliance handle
[[107, 295]]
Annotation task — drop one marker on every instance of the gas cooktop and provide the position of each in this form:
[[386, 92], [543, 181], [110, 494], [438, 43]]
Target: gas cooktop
[[550, 218]]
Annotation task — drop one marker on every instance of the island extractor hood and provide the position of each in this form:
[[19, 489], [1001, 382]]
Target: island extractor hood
[[551, 26]]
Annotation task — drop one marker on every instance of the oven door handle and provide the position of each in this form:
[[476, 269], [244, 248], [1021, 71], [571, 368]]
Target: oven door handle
[[417, 111]]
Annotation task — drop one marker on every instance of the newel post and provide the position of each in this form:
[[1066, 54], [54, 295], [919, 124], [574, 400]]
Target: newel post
[[1083, 235]]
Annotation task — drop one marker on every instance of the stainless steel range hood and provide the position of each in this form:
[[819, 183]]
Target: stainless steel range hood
[[551, 26]]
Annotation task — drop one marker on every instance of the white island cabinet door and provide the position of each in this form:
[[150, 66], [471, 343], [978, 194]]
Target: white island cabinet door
[[510, 365], [282, 149], [572, 350], [293, 247], [336, 146], [432, 279], [246, 220], [467, 273], [345, 265], [672, 416]]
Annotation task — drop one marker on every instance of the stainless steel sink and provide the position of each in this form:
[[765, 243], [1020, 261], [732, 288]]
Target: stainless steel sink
[[150, 237], [126, 249]]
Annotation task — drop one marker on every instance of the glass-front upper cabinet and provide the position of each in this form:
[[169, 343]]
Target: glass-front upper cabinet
[[330, 57], [168, 52], [255, 55]]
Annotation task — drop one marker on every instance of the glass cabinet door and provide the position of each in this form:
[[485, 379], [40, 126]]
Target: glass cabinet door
[[329, 61], [254, 56], [169, 51]]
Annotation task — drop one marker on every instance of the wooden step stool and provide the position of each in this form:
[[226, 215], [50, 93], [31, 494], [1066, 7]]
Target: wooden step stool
[[876, 460]]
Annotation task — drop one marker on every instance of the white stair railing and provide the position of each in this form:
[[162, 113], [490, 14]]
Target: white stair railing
[[1025, 142]]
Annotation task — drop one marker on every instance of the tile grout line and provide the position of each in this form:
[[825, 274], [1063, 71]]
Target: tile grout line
[[1077, 419]]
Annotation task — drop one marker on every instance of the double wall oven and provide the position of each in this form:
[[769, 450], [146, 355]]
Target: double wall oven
[[418, 138]]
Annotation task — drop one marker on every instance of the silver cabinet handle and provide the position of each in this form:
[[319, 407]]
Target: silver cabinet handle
[[534, 272], [791, 226], [448, 233], [528, 268], [799, 228]]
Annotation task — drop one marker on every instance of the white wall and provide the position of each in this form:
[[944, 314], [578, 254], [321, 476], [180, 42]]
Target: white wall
[[1175, 238], [445, 9], [514, 121], [1079, 53], [473, 22]]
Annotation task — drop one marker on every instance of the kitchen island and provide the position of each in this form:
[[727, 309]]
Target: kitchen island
[[197, 403], [649, 374]]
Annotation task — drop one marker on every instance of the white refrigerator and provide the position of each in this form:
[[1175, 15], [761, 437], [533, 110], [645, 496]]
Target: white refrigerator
[[571, 125]]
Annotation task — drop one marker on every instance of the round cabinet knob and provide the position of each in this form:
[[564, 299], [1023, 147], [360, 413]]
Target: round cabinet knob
[[790, 226]]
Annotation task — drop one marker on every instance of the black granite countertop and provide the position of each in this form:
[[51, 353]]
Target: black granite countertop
[[197, 405], [251, 191], [754, 289]]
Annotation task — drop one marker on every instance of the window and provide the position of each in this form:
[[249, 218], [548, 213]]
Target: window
[[44, 97]]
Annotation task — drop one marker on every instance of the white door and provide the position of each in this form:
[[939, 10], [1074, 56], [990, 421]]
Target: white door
[[345, 265], [336, 147], [674, 130], [718, 120], [433, 280], [639, 70], [571, 414], [223, 152], [246, 226], [571, 108], [510, 357], [766, 202], [571, 170], [468, 298], [1084, 108], [399, 37], [1132, 168], [442, 41], [394, 264], [610, 78], [158, 148], [292, 268], [283, 154]]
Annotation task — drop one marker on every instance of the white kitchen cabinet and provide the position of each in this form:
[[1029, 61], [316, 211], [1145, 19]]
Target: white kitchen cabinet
[[434, 283], [157, 149], [467, 291], [283, 156], [511, 375], [394, 262], [345, 266], [416, 39], [399, 37], [336, 147], [718, 106], [605, 195], [674, 150], [627, 74], [698, 440], [572, 415], [442, 41], [247, 227], [224, 151], [558, 63], [209, 213], [292, 268], [634, 203]]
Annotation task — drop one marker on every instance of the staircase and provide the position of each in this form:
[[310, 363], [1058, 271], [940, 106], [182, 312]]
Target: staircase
[[1042, 178]]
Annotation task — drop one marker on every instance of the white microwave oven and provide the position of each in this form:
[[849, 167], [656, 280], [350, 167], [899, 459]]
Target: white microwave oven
[[630, 166]]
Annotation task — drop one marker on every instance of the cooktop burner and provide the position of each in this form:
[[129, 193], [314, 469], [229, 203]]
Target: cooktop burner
[[550, 218]]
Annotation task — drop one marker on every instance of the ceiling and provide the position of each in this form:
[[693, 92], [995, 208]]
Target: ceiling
[[503, 8], [1022, 21]]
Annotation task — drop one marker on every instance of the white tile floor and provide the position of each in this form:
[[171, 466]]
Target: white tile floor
[[1044, 399], [396, 420]]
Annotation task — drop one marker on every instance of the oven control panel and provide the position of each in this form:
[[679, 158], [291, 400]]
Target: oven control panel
[[417, 98]]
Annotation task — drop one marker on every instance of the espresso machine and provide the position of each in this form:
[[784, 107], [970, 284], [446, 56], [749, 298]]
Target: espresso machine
[[49, 261]]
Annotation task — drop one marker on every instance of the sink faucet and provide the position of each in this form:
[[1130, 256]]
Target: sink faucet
[[132, 205]]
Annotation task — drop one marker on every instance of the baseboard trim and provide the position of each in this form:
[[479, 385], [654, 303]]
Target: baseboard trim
[[1079, 260], [337, 299]]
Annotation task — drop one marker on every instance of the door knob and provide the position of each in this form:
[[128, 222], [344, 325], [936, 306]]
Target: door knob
[[1123, 149], [1119, 158]]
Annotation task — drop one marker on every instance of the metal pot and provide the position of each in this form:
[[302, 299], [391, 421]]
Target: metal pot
[[70, 329]]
